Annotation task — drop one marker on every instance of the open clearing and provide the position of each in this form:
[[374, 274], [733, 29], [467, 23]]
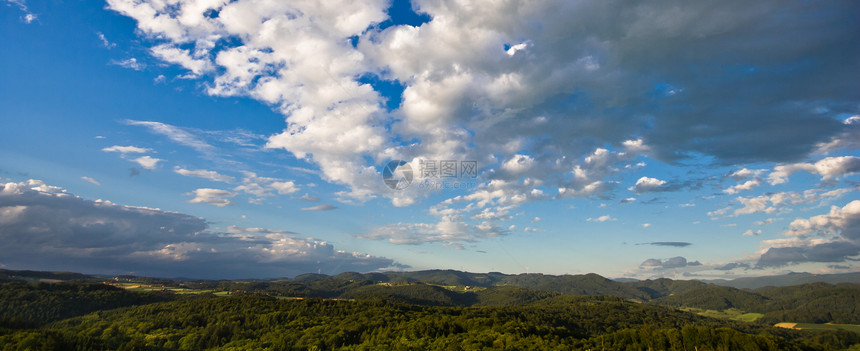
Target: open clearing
[[150, 287], [819, 327], [732, 313], [785, 325]]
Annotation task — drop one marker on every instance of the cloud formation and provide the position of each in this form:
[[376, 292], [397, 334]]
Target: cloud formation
[[45, 227], [127, 149], [28, 17], [323, 207], [448, 231], [261, 187], [750, 232], [828, 168], [604, 218], [779, 202], [648, 185], [309, 198], [480, 78], [205, 174], [668, 243], [554, 100], [732, 265], [147, 162], [91, 180], [177, 134], [211, 196], [130, 63], [832, 237], [669, 263]]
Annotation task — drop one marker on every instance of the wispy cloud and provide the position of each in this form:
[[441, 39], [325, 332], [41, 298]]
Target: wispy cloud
[[750, 232], [265, 186], [205, 174], [668, 243], [448, 231], [176, 134], [669, 263], [107, 44], [732, 265], [323, 207], [130, 63], [127, 149], [309, 198], [91, 180], [29, 17]]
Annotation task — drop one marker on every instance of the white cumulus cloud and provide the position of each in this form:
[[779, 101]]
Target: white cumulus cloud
[[211, 196], [603, 218], [147, 162], [647, 185]]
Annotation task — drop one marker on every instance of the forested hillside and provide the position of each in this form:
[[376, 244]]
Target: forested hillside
[[448, 310], [713, 297], [789, 279], [812, 303], [257, 323], [23, 305]]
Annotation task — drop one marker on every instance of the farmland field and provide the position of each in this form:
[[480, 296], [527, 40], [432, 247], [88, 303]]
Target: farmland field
[[141, 287], [732, 313]]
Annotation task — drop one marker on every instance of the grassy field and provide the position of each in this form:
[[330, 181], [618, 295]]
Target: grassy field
[[174, 289], [732, 313]]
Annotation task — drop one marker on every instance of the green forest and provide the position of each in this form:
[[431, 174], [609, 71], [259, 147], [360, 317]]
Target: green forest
[[429, 310]]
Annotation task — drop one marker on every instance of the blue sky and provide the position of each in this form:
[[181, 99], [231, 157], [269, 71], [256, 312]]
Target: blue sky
[[230, 139]]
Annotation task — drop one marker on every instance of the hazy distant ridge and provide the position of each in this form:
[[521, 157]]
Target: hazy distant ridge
[[787, 280]]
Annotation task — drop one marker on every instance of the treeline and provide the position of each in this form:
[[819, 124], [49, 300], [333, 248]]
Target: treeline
[[809, 303], [812, 303], [26, 305], [7, 275], [265, 323]]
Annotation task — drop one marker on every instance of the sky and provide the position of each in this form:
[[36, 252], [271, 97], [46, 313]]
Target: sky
[[260, 139]]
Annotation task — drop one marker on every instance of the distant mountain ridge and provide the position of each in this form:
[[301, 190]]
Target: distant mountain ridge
[[581, 284], [786, 280], [6, 274], [808, 302]]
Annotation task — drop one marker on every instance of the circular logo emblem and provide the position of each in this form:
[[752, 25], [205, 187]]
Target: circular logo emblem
[[397, 174]]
